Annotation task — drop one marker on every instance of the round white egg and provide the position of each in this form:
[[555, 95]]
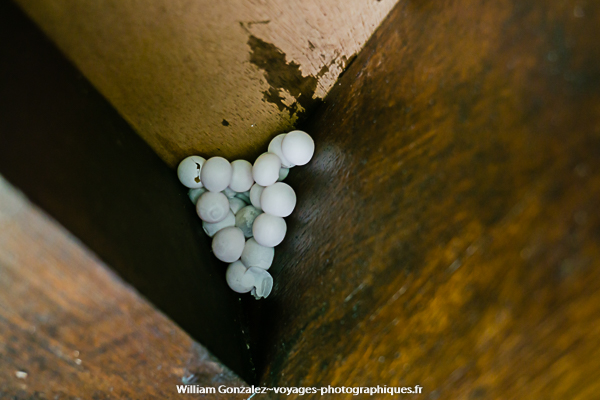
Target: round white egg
[[241, 176], [194, 194], [212, 207], [275, 148], [255, 255], [228, 244], [236, 278], [269, 230], [266, 169], [283, 173], [212, 229], [189, 170], [298, 147], [244, 219], [216, 174], [236, 204], [279, 199], [255, 194]]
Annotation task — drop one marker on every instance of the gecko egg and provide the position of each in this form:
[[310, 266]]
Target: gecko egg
[[236, 279], [216, 174], [298, 147], [194, 194], [283, 173], [228, 244], [278, 199], [241, 176], [262, 282], [275, 148], [255, 255], [244, 219], [236, 204], [255, 194], [269, 230], [212, 229], [212, 207], [189, 170], [266, 169]]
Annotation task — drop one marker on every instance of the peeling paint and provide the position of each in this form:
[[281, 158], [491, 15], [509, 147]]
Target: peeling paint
[[281, 75]]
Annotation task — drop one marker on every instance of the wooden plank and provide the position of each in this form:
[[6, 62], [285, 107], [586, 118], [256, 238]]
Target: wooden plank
[[214, 78], [447, 230], [70, 152], [70, 328]]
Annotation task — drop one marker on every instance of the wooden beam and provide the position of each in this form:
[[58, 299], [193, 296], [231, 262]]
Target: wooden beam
[[447, 229], [206, 77], [70, 328]]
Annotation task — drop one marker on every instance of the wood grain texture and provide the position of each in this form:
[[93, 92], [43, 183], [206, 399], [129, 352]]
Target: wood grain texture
[[186, 76], [75, 329], [447, 230], [69, 151]]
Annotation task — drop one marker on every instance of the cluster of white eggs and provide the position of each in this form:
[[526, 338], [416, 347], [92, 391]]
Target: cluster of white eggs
[[242, 207]]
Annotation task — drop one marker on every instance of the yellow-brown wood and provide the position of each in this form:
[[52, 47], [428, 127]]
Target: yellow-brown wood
[[71, 329], [447, 231], [210, 77]]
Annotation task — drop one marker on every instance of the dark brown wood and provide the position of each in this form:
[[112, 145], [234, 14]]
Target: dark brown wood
[[447, 230], [72, 154], [70, 328]]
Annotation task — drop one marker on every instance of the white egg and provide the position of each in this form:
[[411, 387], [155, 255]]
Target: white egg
[[283, 173], [298, 147], [255, 255], [269, 230], [228, 244], [244, 219], [236, 278], [236, 204], [216, 174], [212, 207], [255, 194], [266, 169], [241, 176], [194, 194], [275, 147], [212, 229], [262, 282], [189, 170], [279, 199]]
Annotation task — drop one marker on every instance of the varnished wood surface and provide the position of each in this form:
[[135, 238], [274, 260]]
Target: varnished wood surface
[[71, 329], [70, 152], [447, 231], [210, 77]]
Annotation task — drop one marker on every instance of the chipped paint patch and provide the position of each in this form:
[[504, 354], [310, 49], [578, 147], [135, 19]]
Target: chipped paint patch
[[283, 78]]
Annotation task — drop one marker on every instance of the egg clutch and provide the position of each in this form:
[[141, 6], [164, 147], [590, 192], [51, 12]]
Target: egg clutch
[[243, 206]]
